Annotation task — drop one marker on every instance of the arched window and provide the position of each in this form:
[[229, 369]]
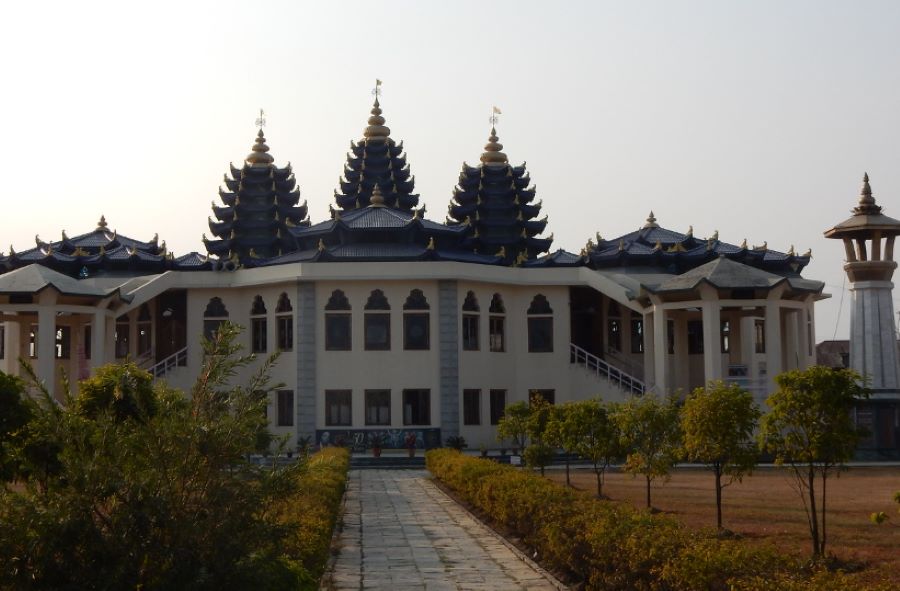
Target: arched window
[[213, 317], [377, 322], [497, 324], [471, 323], [540, 325], [337, 322], [416, 322], [145, 331], [259, 326], [613, 327], [285, 323]]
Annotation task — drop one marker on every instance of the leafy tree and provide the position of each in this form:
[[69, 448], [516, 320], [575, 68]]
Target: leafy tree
[[650, 432], [587, 429], [153, 500], [718, 423], [15, 412], [810, 428], [541, 414], [513, 425]]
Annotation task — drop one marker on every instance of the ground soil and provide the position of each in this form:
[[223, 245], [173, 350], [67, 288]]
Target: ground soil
[[765, 507]]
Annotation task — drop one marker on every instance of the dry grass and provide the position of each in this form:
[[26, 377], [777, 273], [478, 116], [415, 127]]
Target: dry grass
[[766, 507]]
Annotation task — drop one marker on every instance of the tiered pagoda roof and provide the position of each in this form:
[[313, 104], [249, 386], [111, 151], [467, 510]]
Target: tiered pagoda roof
[[494, 202], [101, 251], [654, 246], [376, 160], [260, 205], [378, 232]]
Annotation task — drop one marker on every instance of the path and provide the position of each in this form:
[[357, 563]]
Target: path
[[402, 532]]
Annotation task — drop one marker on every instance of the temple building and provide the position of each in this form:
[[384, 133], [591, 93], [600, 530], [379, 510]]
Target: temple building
[[390, 322]]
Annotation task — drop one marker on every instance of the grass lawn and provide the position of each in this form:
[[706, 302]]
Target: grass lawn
[[766, 507]]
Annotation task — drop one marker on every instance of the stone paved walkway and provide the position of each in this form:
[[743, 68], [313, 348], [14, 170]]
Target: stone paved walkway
[[402, 532]]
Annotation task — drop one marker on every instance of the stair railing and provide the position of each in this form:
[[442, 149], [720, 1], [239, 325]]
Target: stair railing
[[604, 370]]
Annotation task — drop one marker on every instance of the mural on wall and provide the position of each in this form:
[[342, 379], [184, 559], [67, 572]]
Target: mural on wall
[[360, 439]]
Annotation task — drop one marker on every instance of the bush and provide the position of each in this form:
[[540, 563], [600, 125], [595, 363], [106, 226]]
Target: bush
[[612, 546]]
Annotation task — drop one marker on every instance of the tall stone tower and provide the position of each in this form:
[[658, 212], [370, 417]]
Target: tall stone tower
[[869, 243]]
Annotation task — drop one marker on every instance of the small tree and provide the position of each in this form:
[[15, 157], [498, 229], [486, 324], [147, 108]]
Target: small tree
[[718, 423], [541, 414], [587, 429], [810, 428], [554, 434], [650, 433], [513, 425], [15, 412]]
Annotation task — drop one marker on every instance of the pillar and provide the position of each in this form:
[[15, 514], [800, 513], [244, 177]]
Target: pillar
[[98, 339], [712, 341], [46, 347], [682, 366], [773, 343], [649, 351], [660, 350]]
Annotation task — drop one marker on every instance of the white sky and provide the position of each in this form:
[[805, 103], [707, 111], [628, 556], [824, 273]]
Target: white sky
[[756, 119]]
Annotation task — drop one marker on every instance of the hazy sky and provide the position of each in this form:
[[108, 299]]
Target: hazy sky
[[756, 119]]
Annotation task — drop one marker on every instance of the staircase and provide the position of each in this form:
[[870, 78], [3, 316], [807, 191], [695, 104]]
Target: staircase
[[176, 359], [613, 375]]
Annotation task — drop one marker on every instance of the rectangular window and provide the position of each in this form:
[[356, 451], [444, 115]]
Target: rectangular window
[[415, 332], [497, 333], [2, 342], [337, 332], [377, 330], [285, 408], [614, 334], [122, 333], [417, 407], [726, 336], [470, 332], [540, 334], [145, 337], [378, 407], [547, 395], [63, 342], [637, 335], [471, 407], [87, 341], [695, 337], [337, 408], [670, 336], [32, 341], [498, 405], [285, 332], [259, 335], [759, 331]]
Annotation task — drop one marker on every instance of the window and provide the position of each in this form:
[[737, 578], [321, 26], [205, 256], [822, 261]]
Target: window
[[637, 333], [497, 324], [613, 327], [416, 324], [695, 337], [471, 321], [87, 341], [213, 317], [378, 407], [259, 326], [63, 342], [725, 332], [759, 331], [498, 405], [810, 340], [123, 328], [2, 342], [337, 324], [377, 326], [32, 341], [285, 408], [670, 336], [540, 326], [416, 407], [471, 407], [337, 408], [144, 330], [285, 323], [547, 395]]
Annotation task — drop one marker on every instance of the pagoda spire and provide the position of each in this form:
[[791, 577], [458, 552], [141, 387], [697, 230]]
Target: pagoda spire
[[259, 156], [866, 204], [492, 155]]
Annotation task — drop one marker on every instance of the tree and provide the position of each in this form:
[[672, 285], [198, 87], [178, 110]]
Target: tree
[[650, 432], [513, 425], [586, 429], [810, 428], [718, 423], [541, 414], [15, 412]]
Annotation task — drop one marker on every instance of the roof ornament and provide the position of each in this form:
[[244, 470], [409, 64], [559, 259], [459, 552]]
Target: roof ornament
[[102, 222], [866, 201], [261, 120], [808, 253], [12, 251], [744, 244], [37, 239], [259, 156], [792, 252], [377, 199], [502, 252], [492, 155], [376, 129], [658, 245], [521, 258], [709, 244], [651, 221], [763, 247], [599, 237], [621, 245], [321, 245], [64, 237], [690, 232], [715, 235], [430, 243]]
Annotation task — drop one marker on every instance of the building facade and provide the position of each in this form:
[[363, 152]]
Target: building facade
[[389, 322]]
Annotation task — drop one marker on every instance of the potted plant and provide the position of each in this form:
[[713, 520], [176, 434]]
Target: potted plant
[[409, 442], [376, 442], [457, 442], [483, 448]]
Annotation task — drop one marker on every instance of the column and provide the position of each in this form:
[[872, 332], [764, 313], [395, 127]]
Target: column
[[13, 346], [802, 337], [773, 343], [712, 340], [448, 343], [305, 339], [660, 349], [792, 359], [649, 351], [682, 369], [46, 347], [98, 339]]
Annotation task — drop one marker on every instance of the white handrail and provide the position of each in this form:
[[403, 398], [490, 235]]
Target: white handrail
[[169, 363], [603, 369]]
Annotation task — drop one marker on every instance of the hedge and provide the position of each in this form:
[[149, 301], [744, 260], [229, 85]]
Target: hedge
[[608, 545], [310, 515]]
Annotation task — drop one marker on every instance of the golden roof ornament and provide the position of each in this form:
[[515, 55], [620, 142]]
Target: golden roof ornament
[[204, 238], [321, 245], [715, 235], [37, 239], [866, 201], [377, 199], [415, 214], [131, 251], [79, 252], [502, 252], [690, 231], [259, 156], [808, 253], [102, 222], [12, 251], [744, 244], [791, 252], [492, 155], [621, 245], [598, 237], [762, 247], [253, 254], [163, 248], [651, 221], [522, 258], [430, 243], [376, 130], [658, 245], [102, 251], [709, 244], [64, 237]]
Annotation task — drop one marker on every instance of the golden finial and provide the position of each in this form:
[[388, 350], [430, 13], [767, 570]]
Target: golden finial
[[64, 237], [709, 244], [502, 252], [690, 231], [477, 216], [468, 221], [519, 217], [550, 237], [763, 246], [79, 252], [253, 254], [102, 222], [162, 247], [478, 200], [791, 252], [37, 239], [415, 214], [744, 244], [599, 237], [715, 235], [131, 251], [658, 245], [808, 253], [522, 258], [516, 200], [204, 238], [430, 243], [376, 129], [651, 221], [377, 199], [621, 245], [155, 237], [477, 234], [337, 214], [492, 155], [321, 245], [170, 256], [12, 251], [589, 245], [524, 233]]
